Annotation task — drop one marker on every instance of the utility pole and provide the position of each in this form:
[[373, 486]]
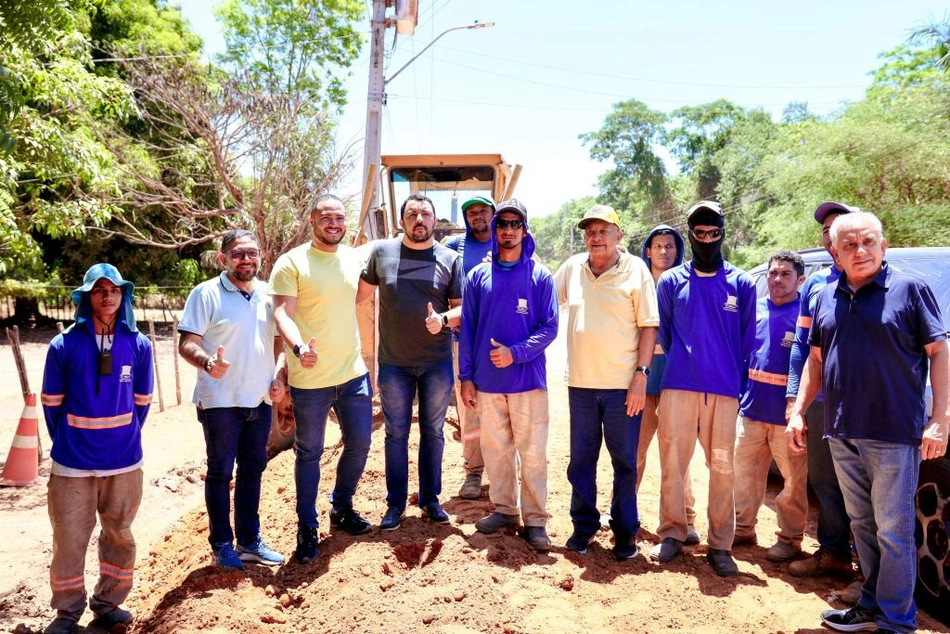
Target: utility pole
[[375, 100]]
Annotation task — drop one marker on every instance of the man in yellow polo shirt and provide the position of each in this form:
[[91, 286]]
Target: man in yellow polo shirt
[[314, 288], [612, 320]]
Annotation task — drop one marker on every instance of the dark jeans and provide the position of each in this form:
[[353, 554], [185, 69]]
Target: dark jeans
[[834, 527], [601, 416], [397, 388], [353, 403], [235, 434]]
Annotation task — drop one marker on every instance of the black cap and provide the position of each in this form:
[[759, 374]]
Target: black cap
[[705, 212]]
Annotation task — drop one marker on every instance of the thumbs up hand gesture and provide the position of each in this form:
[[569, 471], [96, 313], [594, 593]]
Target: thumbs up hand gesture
[[433, 320], [501, 355], [308, 354], [217, 366]]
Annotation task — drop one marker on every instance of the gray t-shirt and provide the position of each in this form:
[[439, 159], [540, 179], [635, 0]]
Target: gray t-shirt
[[408, 279]]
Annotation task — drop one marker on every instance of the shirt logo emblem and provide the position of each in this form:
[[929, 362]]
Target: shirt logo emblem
[[126, 375], [522, 307], [788, 339], [732, 304]]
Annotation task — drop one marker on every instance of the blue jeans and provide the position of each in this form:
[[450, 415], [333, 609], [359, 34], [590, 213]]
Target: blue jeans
[[598, 415], [397, 389], [235, 434], [834, 527], [353, 403], [879, 480]]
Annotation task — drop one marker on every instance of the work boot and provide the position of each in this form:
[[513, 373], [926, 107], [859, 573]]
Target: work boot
[[108, 620], [782, 551], [821, 563], [692, 536], [61, 625], [495, 522], [472, 487], [722, 562], [667, 550], [537, 538]]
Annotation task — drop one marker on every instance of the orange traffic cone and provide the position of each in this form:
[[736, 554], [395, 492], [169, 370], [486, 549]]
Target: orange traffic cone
[[21, 468]]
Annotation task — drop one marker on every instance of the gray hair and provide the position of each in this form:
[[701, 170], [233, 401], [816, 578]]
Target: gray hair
[[855, 220]]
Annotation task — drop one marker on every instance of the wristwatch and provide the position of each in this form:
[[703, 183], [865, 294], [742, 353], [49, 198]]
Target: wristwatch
[[297, 350], [445, 319], [644, 369]]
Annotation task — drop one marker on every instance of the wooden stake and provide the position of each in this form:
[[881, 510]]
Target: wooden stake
[[158, 377], [13, 335], [175, 336]]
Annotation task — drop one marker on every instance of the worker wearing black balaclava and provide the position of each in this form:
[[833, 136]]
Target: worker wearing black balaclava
[[706, 235]]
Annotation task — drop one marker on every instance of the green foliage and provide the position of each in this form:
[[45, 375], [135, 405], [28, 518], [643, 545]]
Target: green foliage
[[556, 235], [291, 46]]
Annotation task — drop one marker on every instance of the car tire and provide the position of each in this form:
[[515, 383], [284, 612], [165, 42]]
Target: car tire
[[932, 535]]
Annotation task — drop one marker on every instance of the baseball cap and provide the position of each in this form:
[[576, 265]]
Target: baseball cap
[[600, 212], [832, 207], [513, 205], [705, 212], [478, 200]]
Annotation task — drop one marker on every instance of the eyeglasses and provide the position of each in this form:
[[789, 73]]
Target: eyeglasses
[[504, 224], [599, 233], [245, 254], [702, 234]]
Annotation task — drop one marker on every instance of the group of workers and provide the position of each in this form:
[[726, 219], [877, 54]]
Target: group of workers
[[827, 381]]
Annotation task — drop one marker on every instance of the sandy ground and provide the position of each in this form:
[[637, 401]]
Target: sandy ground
[[421, 577]]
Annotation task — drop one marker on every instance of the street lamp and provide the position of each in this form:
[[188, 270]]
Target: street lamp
[[375, 100]]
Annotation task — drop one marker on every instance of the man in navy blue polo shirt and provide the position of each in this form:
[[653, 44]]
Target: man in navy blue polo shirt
[[871, 338]]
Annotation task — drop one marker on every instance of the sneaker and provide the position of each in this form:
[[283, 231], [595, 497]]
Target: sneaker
[[472, 487], [349, 521], [61, 625], [782, 551], [722, 562], [626, 549], [225, 557], [857, 619], [667, 550], [308, 538], [260, 553], [435, 513], [821, 563], [745, 540], [537, 538], [692, 536], [108, 620], [495, 522], [392, 519], [578, 542]]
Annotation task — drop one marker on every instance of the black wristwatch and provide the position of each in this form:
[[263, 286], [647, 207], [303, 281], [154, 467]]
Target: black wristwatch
[[297, 350], [445, 319], [644, 369]]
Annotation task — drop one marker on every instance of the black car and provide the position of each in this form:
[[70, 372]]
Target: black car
[[932, 533]]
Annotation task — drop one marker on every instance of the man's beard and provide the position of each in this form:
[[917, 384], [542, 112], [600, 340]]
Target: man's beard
[[245, 276], [321, 237], [412, 234]]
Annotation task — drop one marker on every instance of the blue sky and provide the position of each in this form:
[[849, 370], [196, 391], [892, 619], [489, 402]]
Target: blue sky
[[549, 71]]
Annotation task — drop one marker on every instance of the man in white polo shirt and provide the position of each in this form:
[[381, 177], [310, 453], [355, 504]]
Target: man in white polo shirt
[[227, 332]]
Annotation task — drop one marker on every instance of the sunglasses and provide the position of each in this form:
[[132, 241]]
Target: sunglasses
[[702, 234], [504, 224], [245, 254]]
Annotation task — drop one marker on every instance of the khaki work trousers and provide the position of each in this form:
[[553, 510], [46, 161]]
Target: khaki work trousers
[[757, 444], [648, 424], [73, 505], [469, 427], [684, 417], [515, 433]]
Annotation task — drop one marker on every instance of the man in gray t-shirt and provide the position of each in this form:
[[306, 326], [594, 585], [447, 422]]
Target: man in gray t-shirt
[[420, 298]]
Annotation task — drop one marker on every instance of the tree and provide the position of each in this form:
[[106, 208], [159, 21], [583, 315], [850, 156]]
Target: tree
[[699, 133], [936, 36]]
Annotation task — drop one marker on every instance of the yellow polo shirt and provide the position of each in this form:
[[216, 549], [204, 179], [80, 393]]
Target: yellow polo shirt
[[325, 286], [604, 318]]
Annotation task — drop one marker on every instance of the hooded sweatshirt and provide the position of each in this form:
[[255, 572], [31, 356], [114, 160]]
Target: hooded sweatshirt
[[517, 307], [658, 366], [472, 251], [95, 420]]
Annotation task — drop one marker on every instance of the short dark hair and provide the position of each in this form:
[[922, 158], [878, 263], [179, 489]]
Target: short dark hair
[[324, 197], [789, 256], [234, 235], [417, 197], [661, 232]]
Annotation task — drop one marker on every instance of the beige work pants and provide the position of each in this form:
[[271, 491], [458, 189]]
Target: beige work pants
[[648, 424]]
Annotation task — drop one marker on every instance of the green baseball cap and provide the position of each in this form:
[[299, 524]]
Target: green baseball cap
[[478, 200]]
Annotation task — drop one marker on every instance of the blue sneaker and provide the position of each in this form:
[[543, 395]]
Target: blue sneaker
[[225, 557], [259, 552]]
